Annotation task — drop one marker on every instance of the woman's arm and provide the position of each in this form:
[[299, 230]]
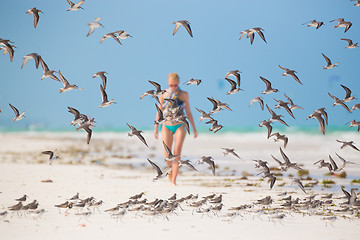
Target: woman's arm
[[188, 113]]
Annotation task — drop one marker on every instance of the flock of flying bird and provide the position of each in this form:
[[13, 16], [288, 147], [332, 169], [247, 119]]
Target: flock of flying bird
[[82, 121]]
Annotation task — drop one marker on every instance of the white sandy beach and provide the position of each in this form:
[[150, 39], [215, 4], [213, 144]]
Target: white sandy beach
[[114, 167]]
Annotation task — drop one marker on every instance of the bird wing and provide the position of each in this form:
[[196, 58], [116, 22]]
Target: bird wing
[[261, 34], [141, 137], [285, 69], [348, 91], [267, 82], [289, 99], [78, 4], [177, 25], [89, 133], [15, 110], [48, 153], [270, 111], [74, 111], [333, 163], [70, 3], [103, 78], [103, 94], [36, 18], [167, 149], [277, 160], [348, 40], [187, 27], [43, 65], [131, 127], [347, 194], [232, 83], [156, 167], [295, 77], [63, 79], [160, 112], [157, 86], [284, 156], [328, 61], [215, 104]]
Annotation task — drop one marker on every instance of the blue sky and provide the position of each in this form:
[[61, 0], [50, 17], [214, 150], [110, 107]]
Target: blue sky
[[152, 53]]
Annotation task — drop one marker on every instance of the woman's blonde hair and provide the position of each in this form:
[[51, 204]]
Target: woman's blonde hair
[[174, 76]]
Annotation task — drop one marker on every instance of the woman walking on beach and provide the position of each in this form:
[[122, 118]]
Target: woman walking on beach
[[170, 130]]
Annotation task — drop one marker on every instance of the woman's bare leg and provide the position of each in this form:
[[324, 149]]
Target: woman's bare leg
[[167, 137], [179, 140]]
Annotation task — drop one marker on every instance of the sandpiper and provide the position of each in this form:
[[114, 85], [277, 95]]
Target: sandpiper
[[187, 163], [52, 155], [233, 89], [193, 81], [339, 102], [35, 12], [282, 104], [113, 35], [208, 160], [8, 48], [322, 164], [105, 101], [287, 163], [353, 123], [94, 24], [342, 23], [268, 89], [280, 137], [236, 74], [291, 103], [250, 33], [87, 128], [314, 23], [34, 56], [102, 76], [350, 43], [22, 199], [290, 73], [124, 35], [204, 115], [275, 117], [230, 151], [299, 183], [350, 144], [217, 105], [323, 113], [215, 126], [317, 116], [183, 23], [328, 62], [356, 106], [75, 7], [345, 162], [170, 156], [160, 174], [18, 116], [158, 88], [259, 100], [267, 124], [137, 133], [67, 86], [47, 72]]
